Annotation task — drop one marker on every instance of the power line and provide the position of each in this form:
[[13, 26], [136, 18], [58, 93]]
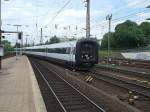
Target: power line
[[123, 17], [122, 8], [58, 12], [130, 15], [49, 9]]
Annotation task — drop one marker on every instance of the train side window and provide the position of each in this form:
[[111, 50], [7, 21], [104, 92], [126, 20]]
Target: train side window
[[49, 50], [63, 50], [56, 50], [52, 50], [60, 50]]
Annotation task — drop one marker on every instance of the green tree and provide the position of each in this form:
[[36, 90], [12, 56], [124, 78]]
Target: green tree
[[54, 39], [72, 39], [145, 27], [47, 42], [104, 43], [127, 35], [7, 46]]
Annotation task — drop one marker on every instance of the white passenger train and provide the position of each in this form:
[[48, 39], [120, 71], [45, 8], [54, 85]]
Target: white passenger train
[[79, 54]]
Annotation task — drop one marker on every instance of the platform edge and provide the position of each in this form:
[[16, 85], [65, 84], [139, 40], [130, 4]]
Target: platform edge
[[37, 96]]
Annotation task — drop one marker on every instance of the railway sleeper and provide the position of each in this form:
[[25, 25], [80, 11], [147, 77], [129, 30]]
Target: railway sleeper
[[76, 107], [82, 102]]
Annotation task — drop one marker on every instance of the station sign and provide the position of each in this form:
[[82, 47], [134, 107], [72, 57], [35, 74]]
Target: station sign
[[1, 50]]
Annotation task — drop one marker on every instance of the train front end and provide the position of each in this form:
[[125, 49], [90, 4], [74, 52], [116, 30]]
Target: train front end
[[86, 53]]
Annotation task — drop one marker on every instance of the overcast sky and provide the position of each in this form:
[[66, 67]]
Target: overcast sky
[[28, 13]]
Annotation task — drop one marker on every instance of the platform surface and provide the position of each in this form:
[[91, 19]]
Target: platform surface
[[19, 91]]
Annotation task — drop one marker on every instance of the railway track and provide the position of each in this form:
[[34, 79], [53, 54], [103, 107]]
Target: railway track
[[139, 89], [68, 97], [129, 62], [142, 75]]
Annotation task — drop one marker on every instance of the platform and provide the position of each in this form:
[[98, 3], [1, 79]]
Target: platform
[[19, 91]]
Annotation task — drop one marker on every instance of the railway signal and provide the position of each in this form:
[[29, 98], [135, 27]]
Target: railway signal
[[20, 35]]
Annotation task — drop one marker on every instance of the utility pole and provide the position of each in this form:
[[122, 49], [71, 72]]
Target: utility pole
[[33, 42], [87, 18], [36, 30], [26, 44], [41, 39], [109, 18], [16, 25]]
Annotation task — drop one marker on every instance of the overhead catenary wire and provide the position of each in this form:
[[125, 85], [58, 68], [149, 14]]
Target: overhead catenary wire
[[122, 17], [58, 12], [122, 8], [118, 10]]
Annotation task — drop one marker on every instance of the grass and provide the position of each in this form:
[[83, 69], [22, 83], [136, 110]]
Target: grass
[[104, 53]]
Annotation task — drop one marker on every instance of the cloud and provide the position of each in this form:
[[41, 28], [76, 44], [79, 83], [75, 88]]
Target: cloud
[[73, 16], [81, 13], [25, 12], [138, 3]]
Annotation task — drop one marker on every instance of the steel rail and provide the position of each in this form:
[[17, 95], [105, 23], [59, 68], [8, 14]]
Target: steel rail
[[62, 79], [125, 71], [120, 83], [102, 110], [50, 88], [112, 75]]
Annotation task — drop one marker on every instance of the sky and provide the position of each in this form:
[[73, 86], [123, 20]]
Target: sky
[[33, 15]]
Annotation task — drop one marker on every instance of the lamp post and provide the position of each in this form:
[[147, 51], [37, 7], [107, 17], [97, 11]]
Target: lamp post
[[1, 31], [16, 25], [26, 44], [87, 18], [109, 18]]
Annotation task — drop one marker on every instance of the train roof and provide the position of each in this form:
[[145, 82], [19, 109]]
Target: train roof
[[56, 45], [62, 44]]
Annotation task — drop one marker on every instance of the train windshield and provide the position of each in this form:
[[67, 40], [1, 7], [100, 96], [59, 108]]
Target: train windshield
[[88, 51]]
